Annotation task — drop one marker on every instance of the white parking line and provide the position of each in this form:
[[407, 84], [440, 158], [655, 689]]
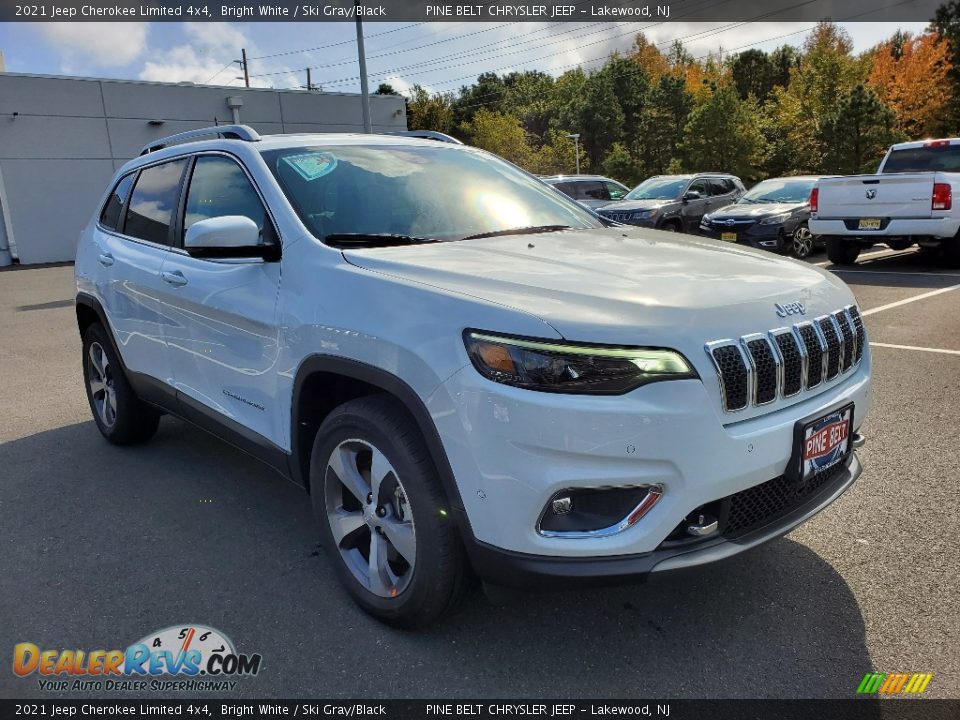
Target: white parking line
[[905, 301], [895, 272], [914, 347]]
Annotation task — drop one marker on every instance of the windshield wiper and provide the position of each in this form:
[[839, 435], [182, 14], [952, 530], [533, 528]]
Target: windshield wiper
[[374, 239], [519, 231]]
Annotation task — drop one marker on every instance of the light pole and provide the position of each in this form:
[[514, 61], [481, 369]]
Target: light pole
[[576, 148]]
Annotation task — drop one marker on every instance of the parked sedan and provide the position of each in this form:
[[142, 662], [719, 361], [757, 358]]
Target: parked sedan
[[674, 202], [772, 215], [594, 191]]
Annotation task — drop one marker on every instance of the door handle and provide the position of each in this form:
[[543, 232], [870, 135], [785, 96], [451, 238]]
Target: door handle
[[105, 259], [175, 278]]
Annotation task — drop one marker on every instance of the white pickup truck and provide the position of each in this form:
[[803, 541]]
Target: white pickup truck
[[909, 201]]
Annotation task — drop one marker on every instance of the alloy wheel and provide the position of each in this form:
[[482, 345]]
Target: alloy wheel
[[802, 241], [370, 517], [100, 380]]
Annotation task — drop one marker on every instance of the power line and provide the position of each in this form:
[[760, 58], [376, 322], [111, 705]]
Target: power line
[[498, 50], [207, 81], [336, 44]]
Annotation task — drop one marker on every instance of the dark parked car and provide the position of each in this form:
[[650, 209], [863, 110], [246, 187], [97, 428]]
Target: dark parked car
[[674, 202], [772, 215], [594, 191]]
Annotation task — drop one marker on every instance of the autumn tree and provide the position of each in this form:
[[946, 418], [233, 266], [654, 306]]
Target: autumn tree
[[427, 111], [910, 75], [827, 70], [503, 135], [857, 135], [647, 56], [946, 23]]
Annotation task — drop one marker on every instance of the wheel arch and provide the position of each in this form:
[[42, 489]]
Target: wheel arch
[[325, 382]]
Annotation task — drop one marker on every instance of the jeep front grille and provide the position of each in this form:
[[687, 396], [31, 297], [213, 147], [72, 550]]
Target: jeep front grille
[[759, 368]]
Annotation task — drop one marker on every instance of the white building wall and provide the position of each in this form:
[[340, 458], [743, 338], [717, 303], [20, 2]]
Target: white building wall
[[61, 139]]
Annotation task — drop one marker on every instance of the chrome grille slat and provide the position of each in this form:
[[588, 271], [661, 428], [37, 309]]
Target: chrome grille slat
[[756, 369]]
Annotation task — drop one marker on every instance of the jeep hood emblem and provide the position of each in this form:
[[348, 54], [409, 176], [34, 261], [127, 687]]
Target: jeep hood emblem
[[794, 308]]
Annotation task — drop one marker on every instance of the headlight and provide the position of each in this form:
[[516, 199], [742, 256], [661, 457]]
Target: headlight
[[705, 220], [642, 214], [560, 367], [776, 219]]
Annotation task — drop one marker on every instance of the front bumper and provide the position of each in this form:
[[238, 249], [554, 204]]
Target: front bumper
[[762, 237], [525, 570], [511, 450]]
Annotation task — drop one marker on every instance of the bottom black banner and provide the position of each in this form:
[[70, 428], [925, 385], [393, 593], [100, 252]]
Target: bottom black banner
[[861, 709]]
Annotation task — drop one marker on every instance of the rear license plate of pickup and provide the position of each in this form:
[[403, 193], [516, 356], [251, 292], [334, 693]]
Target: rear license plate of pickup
[[869, 224]]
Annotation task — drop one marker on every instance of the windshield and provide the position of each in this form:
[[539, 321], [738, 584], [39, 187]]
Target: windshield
[[928, 158], [662, 188], [782, 190], [437, 192]]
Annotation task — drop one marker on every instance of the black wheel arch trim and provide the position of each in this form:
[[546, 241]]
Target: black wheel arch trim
[[389, 383]]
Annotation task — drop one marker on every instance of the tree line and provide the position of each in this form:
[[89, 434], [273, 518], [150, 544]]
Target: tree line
[[818, 108]]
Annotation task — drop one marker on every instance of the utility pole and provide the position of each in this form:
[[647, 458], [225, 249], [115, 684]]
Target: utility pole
[[246, 68], [309, 83], [364, 89], [576, 148]]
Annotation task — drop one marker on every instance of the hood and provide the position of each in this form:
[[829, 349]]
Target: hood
[[622, 205], [619, 285], [757, 211]]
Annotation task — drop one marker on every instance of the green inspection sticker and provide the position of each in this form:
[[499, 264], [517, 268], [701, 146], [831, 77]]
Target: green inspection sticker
[[312, 165]]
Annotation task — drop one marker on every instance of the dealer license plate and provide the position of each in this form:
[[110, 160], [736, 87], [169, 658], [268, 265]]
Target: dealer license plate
[[869, 224], [825, 442], [729, 237]]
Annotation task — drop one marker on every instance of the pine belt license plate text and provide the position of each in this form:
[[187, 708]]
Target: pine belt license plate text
[[825, 442], [729, 237], [869, 224]]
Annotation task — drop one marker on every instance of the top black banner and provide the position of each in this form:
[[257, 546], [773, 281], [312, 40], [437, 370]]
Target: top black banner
[[467, 11]]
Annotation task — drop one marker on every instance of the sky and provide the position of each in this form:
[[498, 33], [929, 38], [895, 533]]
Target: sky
[[439, 56]]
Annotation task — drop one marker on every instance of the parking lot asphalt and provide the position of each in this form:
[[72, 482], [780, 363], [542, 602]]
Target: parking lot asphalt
[[101, 545]]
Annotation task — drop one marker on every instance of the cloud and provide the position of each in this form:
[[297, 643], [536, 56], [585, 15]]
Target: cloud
[[206, 57], [102, 44]]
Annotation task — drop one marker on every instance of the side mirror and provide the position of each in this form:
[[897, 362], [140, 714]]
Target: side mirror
[[691, 195], [227, 236]]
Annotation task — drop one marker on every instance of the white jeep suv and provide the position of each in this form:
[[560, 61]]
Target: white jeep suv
[[463, 367]]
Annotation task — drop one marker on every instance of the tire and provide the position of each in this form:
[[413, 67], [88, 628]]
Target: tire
[[121, 417], [842, 252], [419, 569], [802, 242], [670, 226], [950, 250]]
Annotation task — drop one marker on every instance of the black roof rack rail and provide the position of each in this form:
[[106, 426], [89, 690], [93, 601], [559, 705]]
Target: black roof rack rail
[[232, 132], [427, 135]]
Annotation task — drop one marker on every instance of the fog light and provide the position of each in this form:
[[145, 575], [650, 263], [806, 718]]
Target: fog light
[[562, 505], [596, 512]]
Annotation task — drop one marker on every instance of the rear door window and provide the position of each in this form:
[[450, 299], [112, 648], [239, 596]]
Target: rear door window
[[113, 208], [154, 202], [592, 190]]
